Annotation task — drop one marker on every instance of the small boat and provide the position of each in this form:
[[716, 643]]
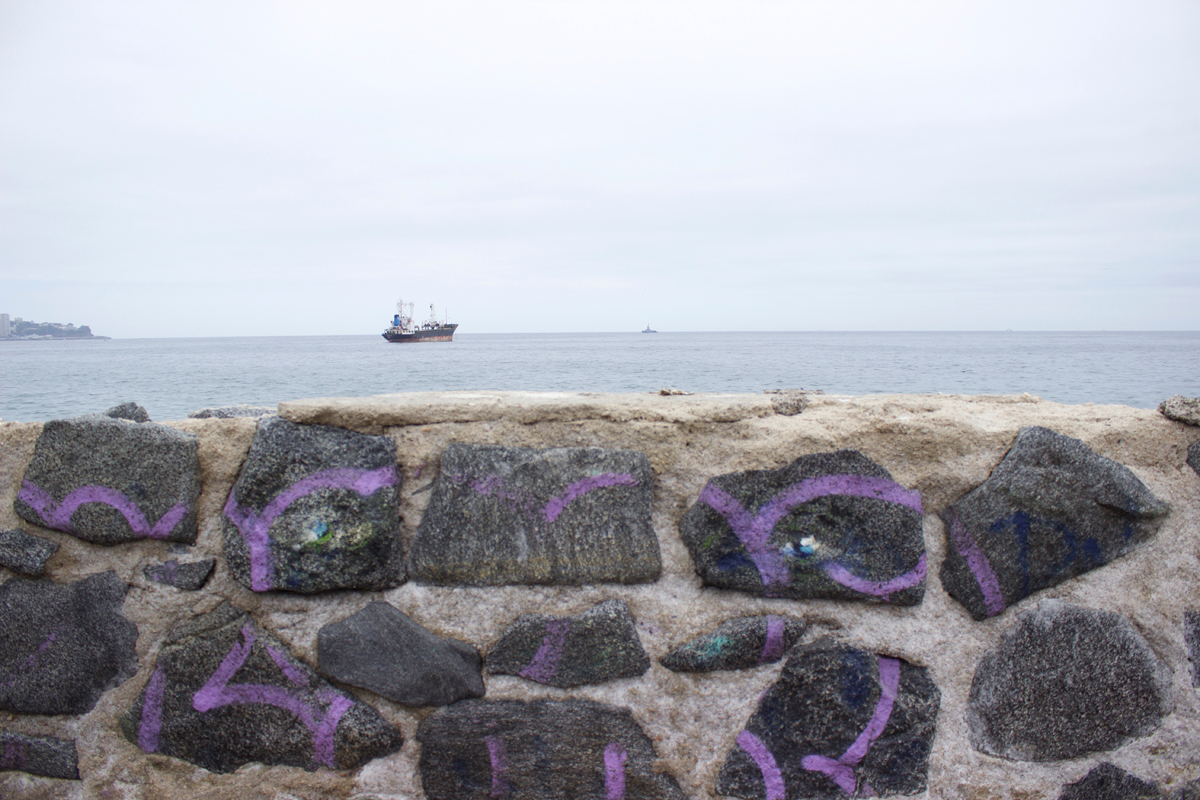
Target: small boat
[[649, 329], [403, 329]]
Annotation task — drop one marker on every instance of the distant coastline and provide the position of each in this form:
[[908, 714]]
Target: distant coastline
[[23, 330]]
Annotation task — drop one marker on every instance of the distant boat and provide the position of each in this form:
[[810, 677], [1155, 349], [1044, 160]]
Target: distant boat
[[403, 329], [649, 329]]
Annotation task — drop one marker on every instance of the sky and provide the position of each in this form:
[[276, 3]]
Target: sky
[[256, 168]]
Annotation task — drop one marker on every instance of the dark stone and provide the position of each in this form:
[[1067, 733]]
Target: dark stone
[[47, 756], [315, 508], [1193, 457], [1189, 791], [24, 553], [830, 525], [226, 692], [1181, 409], [1066, 681], [601, 644], [839, 721], [1108, 782], [1191, 635], [63, 645], [740, 643], [231, 412], [130, 411], [381, 649], [109, 480], [1051, 510], [539, 750], [189, 576], [566, 515]]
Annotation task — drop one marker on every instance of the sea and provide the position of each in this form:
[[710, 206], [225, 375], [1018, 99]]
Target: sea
[[171, 378]]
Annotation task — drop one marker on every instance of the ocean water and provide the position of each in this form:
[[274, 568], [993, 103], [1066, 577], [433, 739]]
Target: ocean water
[[43, 380]]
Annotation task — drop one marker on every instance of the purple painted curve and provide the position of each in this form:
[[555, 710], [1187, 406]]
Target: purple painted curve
[[290, 670], [581, 487], [498, 758], [544, 665], [754, 531], [841, 770], [773, 646], [254, 527], [58, 515], [765, 759], [977, 562], [152, 707], [883, 589], [614, 771], [218, 692]]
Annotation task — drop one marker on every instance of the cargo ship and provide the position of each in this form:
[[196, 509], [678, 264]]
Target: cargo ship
[[403, 329]]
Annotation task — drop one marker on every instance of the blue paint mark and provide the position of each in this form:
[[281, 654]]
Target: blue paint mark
[[735, 560], [855, 679]]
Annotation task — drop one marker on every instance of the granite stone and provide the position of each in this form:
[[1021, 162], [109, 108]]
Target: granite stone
[[108, 480], [63, 645], [1191, 635], [225, 692], [1051, 510], [315, 508], [839, 721], [1064, 682], [741, 643], [830, 525], [601, 644], [188, 576], [232, 412], [381, 649], [1181, 409], [1109, 782], [1193, 457], [539, 750], [25, 553], [505, 515], [130, 411], [47, 756]]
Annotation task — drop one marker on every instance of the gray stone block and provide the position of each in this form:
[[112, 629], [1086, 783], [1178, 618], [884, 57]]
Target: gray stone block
[[47, 756], [1109, 782], [226, 693], [503, 515], [1051, 510], [1181, 409], [1193, 457], [830, 525], [63, 645], [839, 721], [315, 508], [1191, 635], [539, 750], [741, 643], [109, 480], [188, 576], [130, 411], [1066, 681], [232, 412], [381, 649], [25, 553], [601, 644]]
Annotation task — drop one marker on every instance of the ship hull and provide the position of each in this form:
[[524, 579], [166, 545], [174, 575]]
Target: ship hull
[[442, 334]]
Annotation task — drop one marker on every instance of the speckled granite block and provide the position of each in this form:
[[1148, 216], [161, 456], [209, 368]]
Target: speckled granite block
[[47, 756], [741, 643], [25, 553], [188, 576]]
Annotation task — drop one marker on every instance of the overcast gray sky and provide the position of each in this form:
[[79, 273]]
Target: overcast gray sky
[[243, 168]]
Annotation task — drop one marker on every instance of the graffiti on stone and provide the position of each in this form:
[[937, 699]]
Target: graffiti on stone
[[741, 643]]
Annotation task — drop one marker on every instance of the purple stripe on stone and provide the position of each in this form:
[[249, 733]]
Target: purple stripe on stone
[[544, 665], [977, 562], [914, 577], [773, 646], [614, 771], [151, 723], [498, 757], [290, 670], [254, 527], [581, 487], [765, 759], [58, 515]]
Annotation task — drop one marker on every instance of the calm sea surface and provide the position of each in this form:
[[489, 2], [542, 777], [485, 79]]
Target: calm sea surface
[[174, 377]]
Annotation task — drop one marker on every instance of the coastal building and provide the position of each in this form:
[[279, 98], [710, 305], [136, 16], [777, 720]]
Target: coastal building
[[4, 326]]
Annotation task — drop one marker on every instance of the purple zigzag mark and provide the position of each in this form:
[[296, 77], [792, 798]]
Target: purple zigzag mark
[[58, 515], [882, 589], [544, 665], [532, 508], [152, 710], [614, 771], [841, 771], [498, 757], [772, 778], [773, 647], [581, 487], [754, 532], [977, 562], [322, 725], [254, 527]]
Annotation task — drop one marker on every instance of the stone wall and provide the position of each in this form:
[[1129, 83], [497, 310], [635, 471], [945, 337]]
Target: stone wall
[[612, 596]]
